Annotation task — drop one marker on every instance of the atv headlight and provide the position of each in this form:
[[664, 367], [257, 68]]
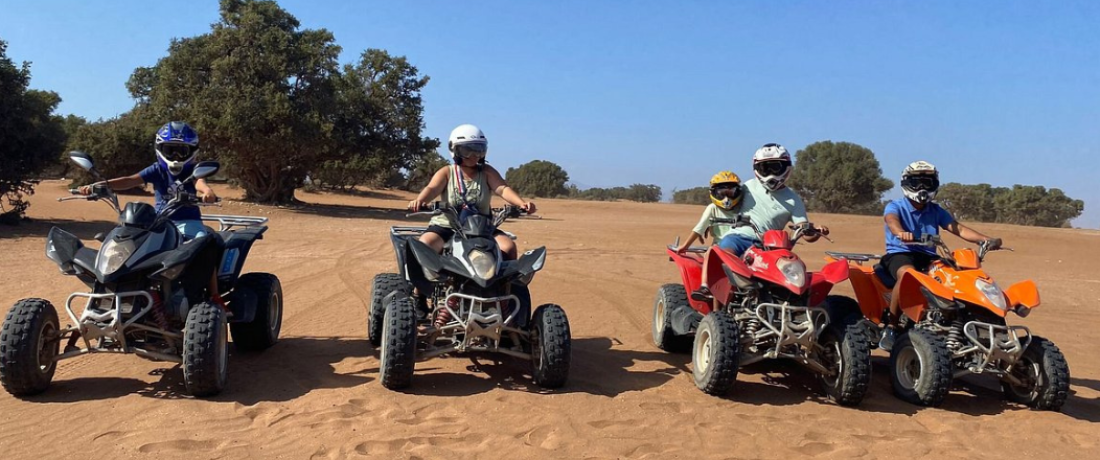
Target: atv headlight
[[794, 270], [485, 265], [113, 255], [992, 292]]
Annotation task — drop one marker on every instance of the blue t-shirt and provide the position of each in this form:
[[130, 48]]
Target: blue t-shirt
[[927, 221], [164, 186]]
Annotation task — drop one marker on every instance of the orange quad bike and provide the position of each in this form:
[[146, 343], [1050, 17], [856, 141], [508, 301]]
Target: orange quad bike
[[953, 323], [763, 305]]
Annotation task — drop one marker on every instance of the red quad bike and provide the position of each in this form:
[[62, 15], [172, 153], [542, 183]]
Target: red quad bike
[[764, 305]]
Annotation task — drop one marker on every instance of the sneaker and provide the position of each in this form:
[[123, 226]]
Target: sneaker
[[887, 340]]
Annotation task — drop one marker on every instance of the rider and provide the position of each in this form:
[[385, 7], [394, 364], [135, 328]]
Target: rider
[[725, 195], [176, 146], [468, 186], [907, 219]]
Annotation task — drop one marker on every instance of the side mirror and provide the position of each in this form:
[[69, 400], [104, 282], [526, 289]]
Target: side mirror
[[82, 159], [206, 169]]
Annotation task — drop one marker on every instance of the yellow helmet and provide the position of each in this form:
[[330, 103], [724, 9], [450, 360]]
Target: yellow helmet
[[725, 190]]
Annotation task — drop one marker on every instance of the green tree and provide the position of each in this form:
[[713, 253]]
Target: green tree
[[422, 170], [120, 146], [697, 195], [31, 137], [970, 202], [644, 193], [839, 177], [1037, 206], [259, 90], [538, 178]]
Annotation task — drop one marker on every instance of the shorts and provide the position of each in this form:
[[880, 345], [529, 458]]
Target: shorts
[[921, 261], [736, 244], [191, 229], [447, 233]]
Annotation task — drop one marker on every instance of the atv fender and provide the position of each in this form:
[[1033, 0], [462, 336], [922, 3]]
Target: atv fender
[[912, 300], [1024, 293], [237, 245], [720, 265], [822, 282], [870, 293]]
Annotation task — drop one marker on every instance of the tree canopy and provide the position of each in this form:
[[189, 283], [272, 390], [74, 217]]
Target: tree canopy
[[1020, 205], [538, 178], [839, 177]]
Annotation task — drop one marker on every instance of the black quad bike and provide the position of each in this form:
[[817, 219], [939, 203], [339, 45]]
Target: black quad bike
[[148, 295], [467, 300]]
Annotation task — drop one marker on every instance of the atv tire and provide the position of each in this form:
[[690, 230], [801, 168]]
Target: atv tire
[[670, 298], [920, 368], [383, 285], [205, 350], [398, 343], [263, 331], [551, 346], [29, 341], [847, 350], [1044, 367], [716, 354]]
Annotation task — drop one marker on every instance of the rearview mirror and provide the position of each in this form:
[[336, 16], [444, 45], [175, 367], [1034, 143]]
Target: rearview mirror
[[82, 159], [206, 169]]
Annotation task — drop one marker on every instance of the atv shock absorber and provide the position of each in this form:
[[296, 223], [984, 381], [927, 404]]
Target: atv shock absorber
[[159, 315], [955, 335]]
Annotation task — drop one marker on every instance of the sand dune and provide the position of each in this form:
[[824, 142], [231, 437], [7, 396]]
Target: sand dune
[[316, 394]]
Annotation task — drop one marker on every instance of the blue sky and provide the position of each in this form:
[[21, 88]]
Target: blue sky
[[670, 92]]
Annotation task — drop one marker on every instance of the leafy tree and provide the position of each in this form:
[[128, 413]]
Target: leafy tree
[[31, 138], [120, 146], [422, 170], [839, 177], [1035, 205], [969, 202], [538, 178], [644, 193], [259, 90], [697, 195]]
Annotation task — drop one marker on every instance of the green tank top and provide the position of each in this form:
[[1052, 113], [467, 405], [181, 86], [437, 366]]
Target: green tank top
[[476, 192]]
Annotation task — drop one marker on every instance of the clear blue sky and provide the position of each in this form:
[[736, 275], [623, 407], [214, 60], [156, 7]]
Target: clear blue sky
[[670, 92]]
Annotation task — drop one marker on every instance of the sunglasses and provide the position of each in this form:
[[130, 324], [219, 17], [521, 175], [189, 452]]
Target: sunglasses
[[922, 182]]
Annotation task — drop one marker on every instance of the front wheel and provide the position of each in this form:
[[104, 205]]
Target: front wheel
[[551, 346], [921, 367], [670, 298], [715, 356], [398, 343], [847, 354], [29, 341], [1044, 375], [205, 350], [382, 286], [263, 331]]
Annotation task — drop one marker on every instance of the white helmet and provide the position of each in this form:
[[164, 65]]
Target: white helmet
[[920, 181], [772, 166], [466, 141]]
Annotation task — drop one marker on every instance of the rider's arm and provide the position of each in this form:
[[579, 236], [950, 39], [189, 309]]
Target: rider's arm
[[690, 241], [965, 232], [501, 188], [208, 194], [893, 222], [435, 186], [118, 183]]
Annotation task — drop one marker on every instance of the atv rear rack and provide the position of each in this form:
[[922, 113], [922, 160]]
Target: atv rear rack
[[856, 257], [227, 222]]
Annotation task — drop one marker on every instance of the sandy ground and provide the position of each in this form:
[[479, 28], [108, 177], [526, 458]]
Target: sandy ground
[[316, 394]]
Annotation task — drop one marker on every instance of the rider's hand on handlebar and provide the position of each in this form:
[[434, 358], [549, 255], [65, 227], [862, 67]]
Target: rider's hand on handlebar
[[992, 244], [416, 205], [529, 207], [823, 230], [210, 197], [906, 237], [85, 190]]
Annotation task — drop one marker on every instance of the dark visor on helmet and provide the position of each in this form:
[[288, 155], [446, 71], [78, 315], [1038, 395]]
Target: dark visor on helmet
[[471, 150], [921, 183], [772, 167], [175, 152], [726, 190]]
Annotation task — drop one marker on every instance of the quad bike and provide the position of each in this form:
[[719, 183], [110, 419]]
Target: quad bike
[[147, 296], [764, 305], [952, 323], [467, 300]]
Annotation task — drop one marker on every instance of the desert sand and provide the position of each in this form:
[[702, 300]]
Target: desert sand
[[316, 393]]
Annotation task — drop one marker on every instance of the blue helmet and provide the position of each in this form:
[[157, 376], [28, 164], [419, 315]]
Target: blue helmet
[[176, 146]]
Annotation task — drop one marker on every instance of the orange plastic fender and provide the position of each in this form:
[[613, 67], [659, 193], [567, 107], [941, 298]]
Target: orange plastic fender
[[1024, 293], [912, 301]]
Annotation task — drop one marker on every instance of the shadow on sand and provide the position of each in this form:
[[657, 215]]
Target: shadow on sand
[[36, 228]]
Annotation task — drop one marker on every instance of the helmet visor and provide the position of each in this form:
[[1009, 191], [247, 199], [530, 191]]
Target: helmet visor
[[175, 152], [772, 167], [477, 150], [727, 190], [921, 182]]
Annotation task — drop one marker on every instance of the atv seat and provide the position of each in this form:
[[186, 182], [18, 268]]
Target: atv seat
[[885, 276]]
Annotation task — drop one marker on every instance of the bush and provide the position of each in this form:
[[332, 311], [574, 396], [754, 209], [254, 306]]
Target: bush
[[538, 178], [839, 177]]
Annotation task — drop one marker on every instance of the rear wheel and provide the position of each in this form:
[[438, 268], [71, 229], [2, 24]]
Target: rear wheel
[[263, 331], [398, 343], [383, 285], [551, 346], [205, 350], [715, 355], [670, 298], [1045, 376], [921, 367], [848, 355], [29, 341]]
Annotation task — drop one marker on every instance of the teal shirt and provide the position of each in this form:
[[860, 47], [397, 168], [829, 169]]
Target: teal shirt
[[769, 210]]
